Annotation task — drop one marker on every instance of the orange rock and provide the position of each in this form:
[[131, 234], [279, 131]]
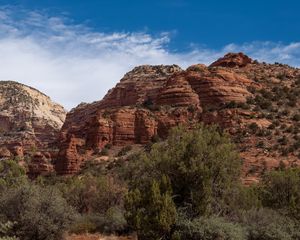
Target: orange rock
[[133, 112], [218, 86], [39, 165], [232, 60], [150, 100], [4, 152], [178, 92]]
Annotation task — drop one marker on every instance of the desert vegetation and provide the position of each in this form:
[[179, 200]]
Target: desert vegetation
[[186, 187]]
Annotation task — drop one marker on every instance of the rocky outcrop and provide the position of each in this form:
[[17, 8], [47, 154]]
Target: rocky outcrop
[[40, 164], [178, 92], [242, 96], [147, 102], [140, 85], [4, 152], [218, 86], [118, 126], [29, 121], [255, 102], [232, 60]]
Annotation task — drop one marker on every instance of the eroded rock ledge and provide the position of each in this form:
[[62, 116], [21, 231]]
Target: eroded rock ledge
[[147, 102]]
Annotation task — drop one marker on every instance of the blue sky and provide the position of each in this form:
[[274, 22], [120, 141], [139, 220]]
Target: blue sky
[[213, 23], [75, 50]]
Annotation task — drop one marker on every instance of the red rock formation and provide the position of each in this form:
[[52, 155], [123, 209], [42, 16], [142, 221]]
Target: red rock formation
[[40, 164], [4, 152], [218, 86], [70, 150], [150, 100], [178, 92], [232, 60], [134, 112], [139, 85], [147, 102]]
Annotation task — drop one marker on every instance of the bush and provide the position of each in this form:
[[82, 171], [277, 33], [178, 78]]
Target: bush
[[202, 167], [296, 117], [208, 229], [39, 213], [83, 224], [92, 194], [112, 222], [124, 150], [266, 224], [253, 127], [104, 152], [192, 108], [283, 140], [152, 213], [261, 144], [5, 229], [281, 191], [11, 173], [231, 104]]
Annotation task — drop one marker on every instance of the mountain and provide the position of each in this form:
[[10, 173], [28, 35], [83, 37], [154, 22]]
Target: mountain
[[29, 125], [257, 103]]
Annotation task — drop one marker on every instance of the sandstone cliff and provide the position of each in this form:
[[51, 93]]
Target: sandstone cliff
[[29, 123], [150, 100], [257, 103]]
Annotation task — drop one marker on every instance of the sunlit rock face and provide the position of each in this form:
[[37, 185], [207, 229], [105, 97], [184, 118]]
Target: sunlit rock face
[[29, 122], [149, 100]]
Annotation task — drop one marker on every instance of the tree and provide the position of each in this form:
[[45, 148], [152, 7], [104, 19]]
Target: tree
[[39, 213], [89, 193], [11, 173], [281, 191], [202, 165], [152, 213], [201, 169]]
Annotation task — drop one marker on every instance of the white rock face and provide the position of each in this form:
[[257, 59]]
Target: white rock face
[[27, 116]]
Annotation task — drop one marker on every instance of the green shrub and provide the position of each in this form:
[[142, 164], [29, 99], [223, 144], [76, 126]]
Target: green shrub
[[124, 151], [283, 140], [39, 213], [112, 222], [231, 104], [83, 224], [192, 108], [94, 194], [296, 117], [11, 173], [155, 139], [104, 152], [281, 191], [209, 229], [5, 229], [253, 127], [271, 126], [152, 213], [108, 146], [201, 164], [266, 224]]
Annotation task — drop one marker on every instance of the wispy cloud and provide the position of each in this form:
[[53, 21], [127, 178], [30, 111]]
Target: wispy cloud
[[270, 51], [72, 63]]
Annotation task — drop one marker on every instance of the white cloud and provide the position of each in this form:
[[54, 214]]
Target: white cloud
[[72, 63]]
